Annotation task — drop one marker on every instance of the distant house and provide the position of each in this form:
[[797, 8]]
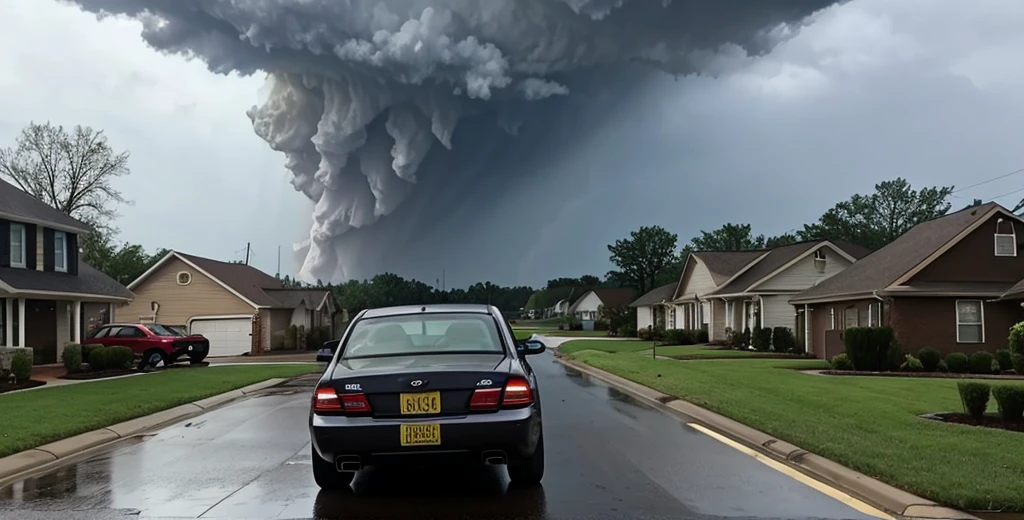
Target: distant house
[[652, 307], [735, 290], [50, 297], [238, 307], [954, 283], [587, 306]]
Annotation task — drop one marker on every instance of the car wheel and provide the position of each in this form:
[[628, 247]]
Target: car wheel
[[529, 470], [195, 360], [151, 358], [327, 476]]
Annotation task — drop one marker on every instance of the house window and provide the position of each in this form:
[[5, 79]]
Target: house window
[[851, 318], [819, 260], [1006, 244], [184, 278], [970, 316], [17, 245], [671, 318], [60, 251], [832, 318]]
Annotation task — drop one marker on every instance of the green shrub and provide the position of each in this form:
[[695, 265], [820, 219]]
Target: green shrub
[[868, 347], [894, 358], [644, 334], [21, 366], [628, 330], [658, 333], [1018, 363], [746, 338], [291, 334], [99, 359], [842, 362], [929, 358], [1005, 359], [87, 350], [957, 362], [762, 339], [598, 325], [72, 358], [1017, 338], [702, 336], [1010, 400], [911, 364], [942, 367], [679, 337], [783, 339], [974, 397], [980, 362], [119, 357]]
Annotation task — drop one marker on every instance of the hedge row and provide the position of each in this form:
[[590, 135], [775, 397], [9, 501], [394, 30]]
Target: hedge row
[[975, 396]]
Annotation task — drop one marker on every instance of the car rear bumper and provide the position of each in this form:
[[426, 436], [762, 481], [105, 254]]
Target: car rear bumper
[[194, 350], [377, 441]]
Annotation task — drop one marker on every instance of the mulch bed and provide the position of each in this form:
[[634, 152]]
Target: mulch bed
[[691, 357], [100, 374], [987, 421], [10, 387], [189, 365], [940, 375]]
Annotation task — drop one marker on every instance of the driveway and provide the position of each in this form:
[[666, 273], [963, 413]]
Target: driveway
[[608, 457]]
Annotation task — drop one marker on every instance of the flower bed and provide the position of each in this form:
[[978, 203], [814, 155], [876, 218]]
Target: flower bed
[[10, 387], [97, 374], [985, 421], [946, 375]]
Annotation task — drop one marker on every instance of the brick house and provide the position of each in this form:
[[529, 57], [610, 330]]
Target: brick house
[[954, 283]]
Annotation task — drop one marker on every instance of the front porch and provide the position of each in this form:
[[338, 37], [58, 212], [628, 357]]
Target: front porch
[[47, 323]]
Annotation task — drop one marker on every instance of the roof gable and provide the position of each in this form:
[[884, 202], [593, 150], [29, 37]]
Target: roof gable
[[244, 281], [19, 206], [781, 258], [902, 257], [720, 265], [656, 295]]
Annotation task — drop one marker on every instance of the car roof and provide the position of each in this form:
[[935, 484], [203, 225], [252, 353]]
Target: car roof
[[439, 308]]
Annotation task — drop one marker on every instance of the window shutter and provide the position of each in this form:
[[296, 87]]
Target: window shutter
[[72, 247], [49, 250], [30, 246], [5, 243]]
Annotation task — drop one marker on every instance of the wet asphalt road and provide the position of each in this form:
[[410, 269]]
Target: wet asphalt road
[[607, 457]]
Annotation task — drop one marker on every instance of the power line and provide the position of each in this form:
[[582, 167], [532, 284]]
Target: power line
[[1007, 193], [1005, 175]]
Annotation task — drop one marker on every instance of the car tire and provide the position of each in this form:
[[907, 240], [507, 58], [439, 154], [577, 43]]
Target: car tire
[[327, 476], [196, 360], [152, 358], [529, 470]]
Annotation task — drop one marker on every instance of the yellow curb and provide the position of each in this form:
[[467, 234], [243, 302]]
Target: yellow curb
[[823, 470]]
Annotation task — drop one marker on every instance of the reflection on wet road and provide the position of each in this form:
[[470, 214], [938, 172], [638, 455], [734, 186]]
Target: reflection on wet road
[[608, 457]]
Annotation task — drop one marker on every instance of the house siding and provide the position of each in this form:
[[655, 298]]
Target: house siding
[[718, 320], [178, 303], [803, 275], [40, 243], [644, 317], [588, 303], [827, 342], [697, 280], [777, 312], [973, 259], [931, 322]]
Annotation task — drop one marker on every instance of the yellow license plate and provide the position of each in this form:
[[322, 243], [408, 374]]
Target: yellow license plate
[[421, 403], [421, 434]]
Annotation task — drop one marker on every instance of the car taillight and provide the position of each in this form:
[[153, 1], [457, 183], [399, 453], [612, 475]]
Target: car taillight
[[517, 392], [355, 404], [485, 399], [326, 400]]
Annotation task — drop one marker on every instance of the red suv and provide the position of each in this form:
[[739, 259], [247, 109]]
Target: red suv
[[152, 342]]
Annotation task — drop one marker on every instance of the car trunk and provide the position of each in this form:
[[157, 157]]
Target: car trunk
[[385, 380]]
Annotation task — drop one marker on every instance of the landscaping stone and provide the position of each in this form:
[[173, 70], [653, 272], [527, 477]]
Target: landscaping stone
[[7, 354]]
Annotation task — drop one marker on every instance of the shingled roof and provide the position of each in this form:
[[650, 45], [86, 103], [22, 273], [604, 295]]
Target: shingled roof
[[883, 267], [779, 257], [656, 295], [88, 282], [19, 206], [725, 264]]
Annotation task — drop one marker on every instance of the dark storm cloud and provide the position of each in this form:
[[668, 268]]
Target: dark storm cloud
[[403, 119]]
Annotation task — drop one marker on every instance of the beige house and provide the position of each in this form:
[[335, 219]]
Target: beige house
[[48, 295], [733, 290], [238, 307]]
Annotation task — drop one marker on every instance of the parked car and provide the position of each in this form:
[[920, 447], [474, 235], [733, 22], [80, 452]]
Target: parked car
[[326, 353], [448, 381], [152, 343]]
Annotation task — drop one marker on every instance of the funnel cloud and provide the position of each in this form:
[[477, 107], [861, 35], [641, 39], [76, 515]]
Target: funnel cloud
[[396, 116]]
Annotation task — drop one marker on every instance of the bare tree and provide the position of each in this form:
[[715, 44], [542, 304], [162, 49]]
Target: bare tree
[[71, 171]]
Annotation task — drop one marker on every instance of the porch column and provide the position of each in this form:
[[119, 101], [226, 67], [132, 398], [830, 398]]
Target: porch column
[[10, 323], [808, 348], [76, 322], [21, 322]]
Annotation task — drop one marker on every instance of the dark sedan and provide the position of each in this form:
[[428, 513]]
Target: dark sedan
[[429, 384]]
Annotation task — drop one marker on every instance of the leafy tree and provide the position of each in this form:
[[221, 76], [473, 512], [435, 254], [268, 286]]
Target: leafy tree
[[879, 218], [124, 263], [730, 237], [590, 280], [784, 239], [71, 171], [645, 254]]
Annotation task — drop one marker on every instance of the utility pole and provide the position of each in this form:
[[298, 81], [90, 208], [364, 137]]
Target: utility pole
[[279, 261], [442, 280], [247, 244]]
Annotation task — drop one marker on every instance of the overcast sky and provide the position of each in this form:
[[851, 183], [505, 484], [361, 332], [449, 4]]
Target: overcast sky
[[931, 90]]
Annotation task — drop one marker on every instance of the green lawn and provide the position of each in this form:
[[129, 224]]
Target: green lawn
[[526, 333], [579, 345], [869, 424], [36, 417]]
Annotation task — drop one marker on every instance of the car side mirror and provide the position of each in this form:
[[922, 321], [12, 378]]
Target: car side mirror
[[530, 347]]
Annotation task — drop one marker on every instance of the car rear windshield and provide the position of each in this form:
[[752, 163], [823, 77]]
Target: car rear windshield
[[161, 330], [423, 334]]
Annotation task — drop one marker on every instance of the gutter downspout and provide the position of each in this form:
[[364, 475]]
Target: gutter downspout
[[874, 293], [760, 310], [807, 329]]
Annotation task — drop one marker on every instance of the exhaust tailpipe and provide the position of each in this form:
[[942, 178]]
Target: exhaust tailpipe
[[494, 458], [348, 463]]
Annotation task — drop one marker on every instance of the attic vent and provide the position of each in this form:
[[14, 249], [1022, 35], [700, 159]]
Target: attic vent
[[184, 278], [819, 260], [1006, 244]]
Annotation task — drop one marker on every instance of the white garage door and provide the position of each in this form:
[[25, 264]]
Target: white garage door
[[228, 337]]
